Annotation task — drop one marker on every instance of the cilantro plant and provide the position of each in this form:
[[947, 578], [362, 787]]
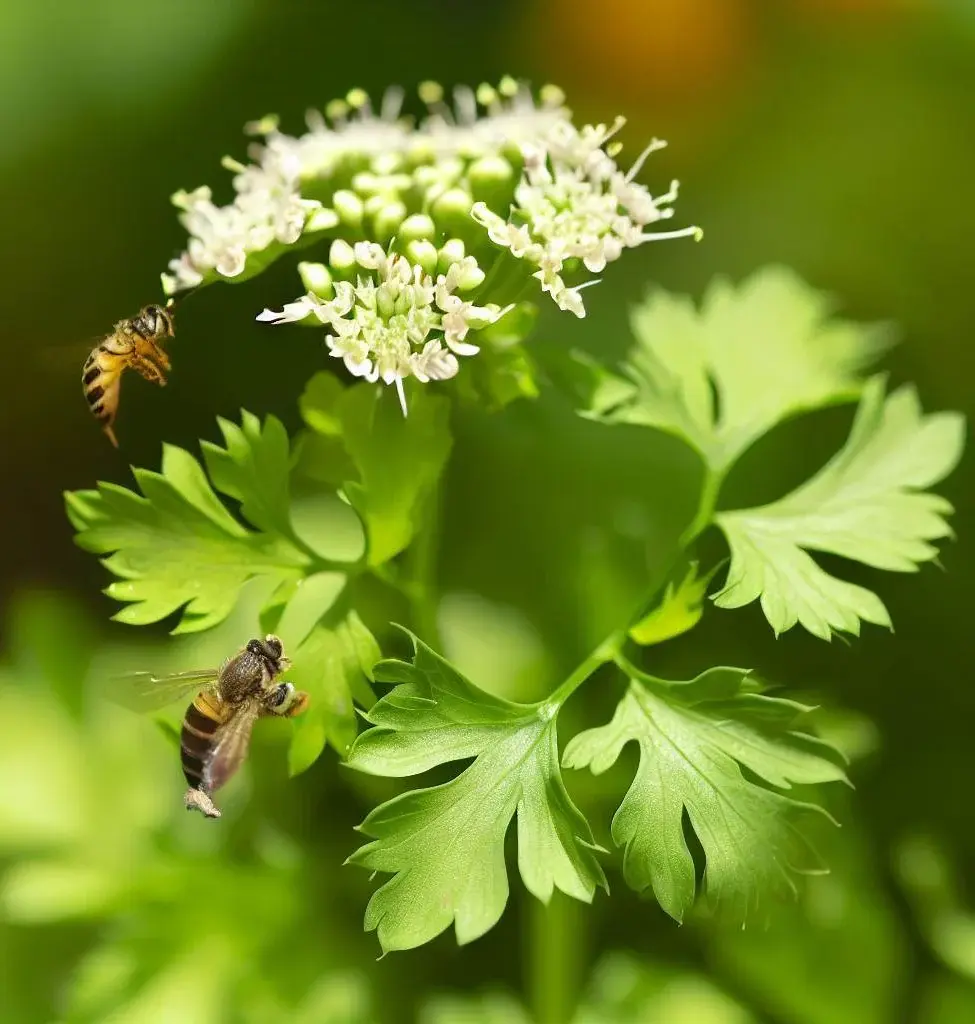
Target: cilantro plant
[[428, 248]]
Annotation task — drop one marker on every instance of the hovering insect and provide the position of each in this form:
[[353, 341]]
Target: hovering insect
[[217, 726], [136, 343]]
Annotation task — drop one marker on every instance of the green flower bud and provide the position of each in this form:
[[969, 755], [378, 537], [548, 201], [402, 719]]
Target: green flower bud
[[341, 258], [349, 208], [385, 301], [388, 220], [387, 163], [322, 219], [452, 211], [452, 251], [422, 252], [417, 225], [316, 279], [492, 181], [374, 204]]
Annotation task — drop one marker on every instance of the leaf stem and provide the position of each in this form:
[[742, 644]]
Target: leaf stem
[[420, 586], [710, 487], [555, 944], [605, 652]]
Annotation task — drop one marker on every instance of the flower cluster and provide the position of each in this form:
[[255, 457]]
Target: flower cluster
[[574, 204], [502, 170], [395, 320]]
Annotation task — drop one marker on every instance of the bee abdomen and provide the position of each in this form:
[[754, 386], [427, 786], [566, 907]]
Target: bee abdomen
[[197, 736]]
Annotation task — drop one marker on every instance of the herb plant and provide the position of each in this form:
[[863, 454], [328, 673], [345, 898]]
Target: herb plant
[[428, 248]]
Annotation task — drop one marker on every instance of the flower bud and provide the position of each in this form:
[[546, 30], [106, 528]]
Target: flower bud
[[341, 258], [452, 210], [492, 180], [417, 225], [388, 220], [316, 279], [349, 208], [422, 252], [322, 219], [452, 251]]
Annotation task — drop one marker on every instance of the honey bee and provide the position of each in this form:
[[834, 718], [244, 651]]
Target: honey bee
[[136, 343], [217, 725]]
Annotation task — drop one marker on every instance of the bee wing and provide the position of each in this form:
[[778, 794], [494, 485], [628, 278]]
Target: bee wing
[[143, 691], [234, 738]]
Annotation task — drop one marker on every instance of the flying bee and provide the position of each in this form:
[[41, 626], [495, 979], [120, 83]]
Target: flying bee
[[217, 725], [136, 343]]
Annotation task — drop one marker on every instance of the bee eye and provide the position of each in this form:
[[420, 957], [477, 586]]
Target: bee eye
[[283, 697], [273, 645]]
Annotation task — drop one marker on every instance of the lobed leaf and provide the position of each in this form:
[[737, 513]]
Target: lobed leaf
[[396, 460], [444, 845], [722, 376], [695, 738], [175, 546], [866, 504]]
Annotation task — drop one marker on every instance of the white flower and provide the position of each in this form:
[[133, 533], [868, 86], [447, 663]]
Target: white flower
[[268, 208], [574, 203], [396, 321], [481, 122], [350, 129]]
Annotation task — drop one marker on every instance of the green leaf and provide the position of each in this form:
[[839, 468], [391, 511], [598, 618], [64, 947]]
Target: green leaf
[[866, 504], [397, 460], [444, 845], [695, 738], [679, 611], [752, 356], [334, 665], [176, 546], [312, 598], [253, 468]]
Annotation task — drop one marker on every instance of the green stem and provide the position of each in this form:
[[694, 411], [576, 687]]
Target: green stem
[[605, 652], [713, 479], [556, 953], [421, 572]]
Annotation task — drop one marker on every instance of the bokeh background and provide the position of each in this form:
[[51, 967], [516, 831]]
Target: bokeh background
[[836, 136]]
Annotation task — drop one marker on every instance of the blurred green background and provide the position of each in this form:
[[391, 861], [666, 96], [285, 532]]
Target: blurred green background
[[837, 136]]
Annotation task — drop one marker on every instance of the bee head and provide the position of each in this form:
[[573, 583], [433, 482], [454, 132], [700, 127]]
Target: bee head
[[285, 700], [270, 650], [157, 320]]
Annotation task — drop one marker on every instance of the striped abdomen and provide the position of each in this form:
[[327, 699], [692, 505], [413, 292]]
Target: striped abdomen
[[198, 737], [100, 378]]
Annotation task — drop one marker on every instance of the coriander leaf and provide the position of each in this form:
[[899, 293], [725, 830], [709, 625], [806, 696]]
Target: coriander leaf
[[334, 666], [722, 376], [175, 546], [444, 845], [253, 468], [866, 504], [312, 597], [397, 460], [679, 610], [695, 738]]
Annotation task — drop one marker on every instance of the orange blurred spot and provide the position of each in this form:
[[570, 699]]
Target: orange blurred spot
[[633, 47]]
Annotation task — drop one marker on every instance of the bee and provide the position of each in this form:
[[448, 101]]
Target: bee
[[217, 726], [136, 343]]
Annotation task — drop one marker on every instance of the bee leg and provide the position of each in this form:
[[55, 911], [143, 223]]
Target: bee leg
[[148, 369], [196, 799]]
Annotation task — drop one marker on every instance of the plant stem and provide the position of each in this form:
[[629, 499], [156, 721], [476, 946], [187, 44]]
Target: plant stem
[[605, 652], [555, 944], [421, 571], [711, 485]]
